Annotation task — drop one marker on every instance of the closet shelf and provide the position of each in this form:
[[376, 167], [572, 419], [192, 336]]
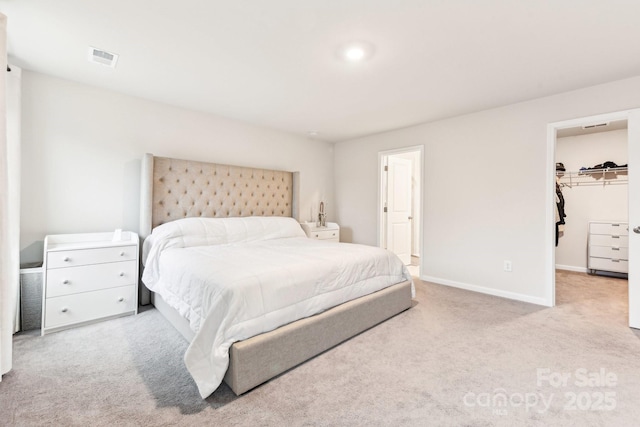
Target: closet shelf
[[602, 177]]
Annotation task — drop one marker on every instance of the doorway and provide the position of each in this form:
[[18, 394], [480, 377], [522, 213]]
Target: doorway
[[592, 176], [592, 243], [632, 119], [400, 204]]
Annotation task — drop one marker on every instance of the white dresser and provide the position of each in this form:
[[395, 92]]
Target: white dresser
[[608, 246], [88, 277], [330, 232]]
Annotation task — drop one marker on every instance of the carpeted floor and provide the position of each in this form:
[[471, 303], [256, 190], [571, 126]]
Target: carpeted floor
[[455, 358]]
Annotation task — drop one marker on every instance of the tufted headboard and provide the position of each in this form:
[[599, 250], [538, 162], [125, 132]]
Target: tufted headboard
[[172, 189]]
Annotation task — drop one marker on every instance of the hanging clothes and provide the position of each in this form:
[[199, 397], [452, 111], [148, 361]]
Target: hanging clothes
[[560, 215]]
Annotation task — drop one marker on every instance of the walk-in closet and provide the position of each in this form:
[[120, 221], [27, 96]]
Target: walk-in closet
[[592, 213], [592, 177], [592, 196]]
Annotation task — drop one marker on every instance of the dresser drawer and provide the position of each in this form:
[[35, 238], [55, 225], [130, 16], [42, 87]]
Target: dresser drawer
[[604, 240], [87, 306], [615, 228], [71, 280], [606, 264], [325, 234], [609, 252], [331, 232], [58, 259]]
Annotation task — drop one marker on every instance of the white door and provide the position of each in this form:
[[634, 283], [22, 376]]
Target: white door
[[399, 207], [634, 218]]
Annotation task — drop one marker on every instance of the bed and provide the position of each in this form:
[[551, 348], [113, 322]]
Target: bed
[[233, 271]]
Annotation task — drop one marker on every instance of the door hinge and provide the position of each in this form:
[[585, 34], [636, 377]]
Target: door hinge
[[384, 209], [386, 168]]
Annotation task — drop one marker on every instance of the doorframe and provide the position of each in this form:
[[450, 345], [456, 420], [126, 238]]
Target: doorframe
[[633, 140], [379, 207]]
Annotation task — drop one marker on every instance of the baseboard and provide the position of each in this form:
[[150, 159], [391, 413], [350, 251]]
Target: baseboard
[[571, 268], [488, 291]]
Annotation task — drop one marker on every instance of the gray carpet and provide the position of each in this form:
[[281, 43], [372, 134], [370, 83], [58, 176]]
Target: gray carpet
[[446, 361]]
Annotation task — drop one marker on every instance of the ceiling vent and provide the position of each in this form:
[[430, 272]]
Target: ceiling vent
[[596, 125], [102, 57]]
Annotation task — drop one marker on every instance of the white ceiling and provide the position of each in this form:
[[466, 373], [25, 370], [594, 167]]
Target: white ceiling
[[599, 128], [274, 62]]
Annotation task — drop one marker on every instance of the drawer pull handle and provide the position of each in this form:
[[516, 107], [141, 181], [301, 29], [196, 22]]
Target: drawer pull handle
[[615, 237], [615, 260], [122, 253], [317, 235], [66, 259], [65, 282], [615, 225], [615, 249], [121, 273], [64, 310], [120, 299]]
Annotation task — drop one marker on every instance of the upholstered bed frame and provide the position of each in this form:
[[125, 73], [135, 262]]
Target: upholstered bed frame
[[172, 189]]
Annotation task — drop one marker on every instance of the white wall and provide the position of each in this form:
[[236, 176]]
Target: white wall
[[82, 148], [589, 203], [485, 188]]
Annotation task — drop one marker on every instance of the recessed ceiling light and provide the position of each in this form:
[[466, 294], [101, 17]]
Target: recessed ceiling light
[[313, 134], [356, 51]]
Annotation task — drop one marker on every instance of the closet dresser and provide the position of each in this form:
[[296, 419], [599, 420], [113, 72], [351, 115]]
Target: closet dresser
[[608, 247], [89, 277]]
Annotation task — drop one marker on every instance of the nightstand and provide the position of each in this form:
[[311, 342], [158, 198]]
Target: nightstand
[[330, 232], [88, 277]]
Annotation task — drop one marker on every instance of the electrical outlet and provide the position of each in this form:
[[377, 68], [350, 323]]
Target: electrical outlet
[[507, 266]]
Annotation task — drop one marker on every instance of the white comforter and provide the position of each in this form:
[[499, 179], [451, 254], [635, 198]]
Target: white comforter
[[235, 278]]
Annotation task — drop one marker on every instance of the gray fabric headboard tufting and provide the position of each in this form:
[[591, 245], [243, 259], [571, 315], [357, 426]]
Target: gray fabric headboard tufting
[[174, 189]]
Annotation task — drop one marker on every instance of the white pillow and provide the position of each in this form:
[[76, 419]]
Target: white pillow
[[199, 231]]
